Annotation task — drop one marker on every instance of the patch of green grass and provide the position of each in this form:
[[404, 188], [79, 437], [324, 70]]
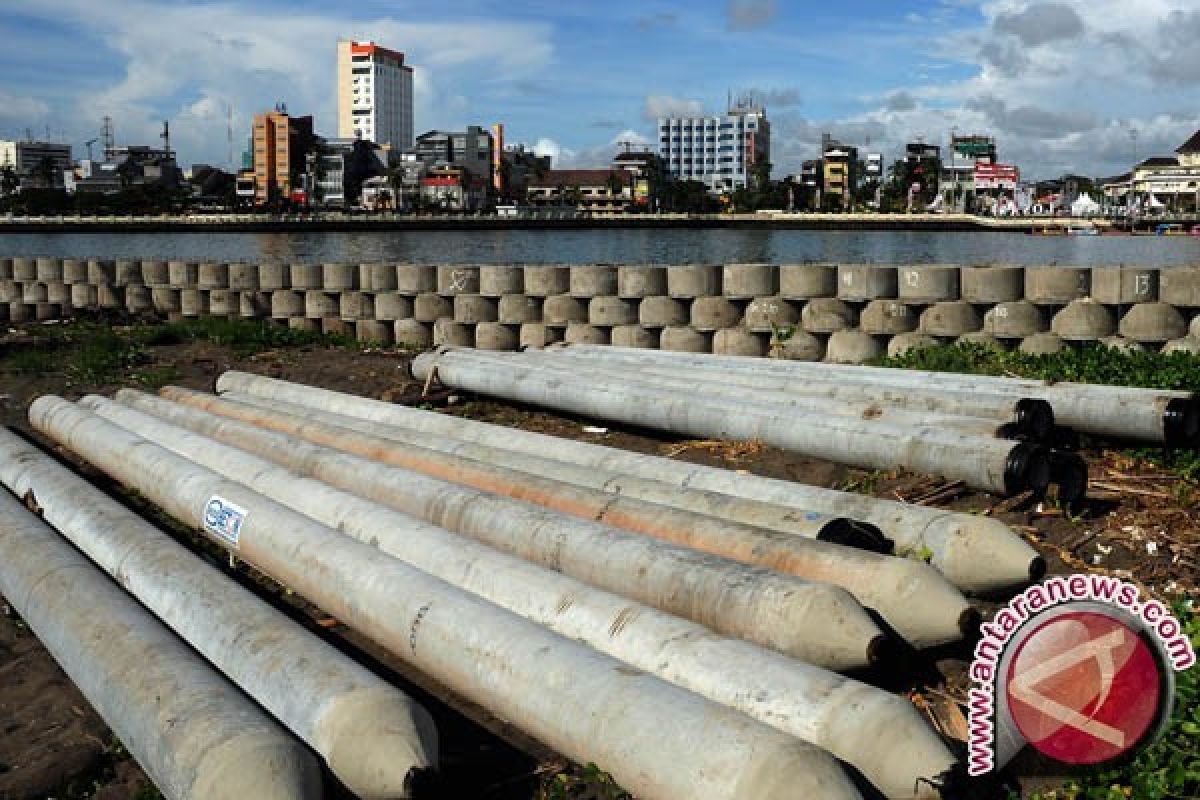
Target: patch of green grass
[[30, 361], [1090, 364], [102, 356], [586, 783], [156, 377], [1169, 769], [244, 336]]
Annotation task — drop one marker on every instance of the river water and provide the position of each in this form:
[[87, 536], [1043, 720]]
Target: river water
[[629, 246]]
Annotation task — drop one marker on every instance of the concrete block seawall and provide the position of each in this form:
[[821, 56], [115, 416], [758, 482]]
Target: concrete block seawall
[[833, 312]]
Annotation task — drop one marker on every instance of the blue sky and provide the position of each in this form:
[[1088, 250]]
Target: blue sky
[[1061, 84]]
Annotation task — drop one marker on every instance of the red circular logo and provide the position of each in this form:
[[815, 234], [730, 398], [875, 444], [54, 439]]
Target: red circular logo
[[1084, 687]]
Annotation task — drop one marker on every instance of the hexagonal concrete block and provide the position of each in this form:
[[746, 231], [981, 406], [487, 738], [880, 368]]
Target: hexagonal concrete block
[[1015, 320], [1056, 286], [714, 313], [806, 281], [744, 281], [1180, 286], [687, 281], [546, 280], [1186, 344], [1124, 285], [495, 336], [411, 334], [635, 336], [1040, 344], [1123, 345], [950, 318], [827, 315], [852, 347], [902, 343], [990, 284], [534, 335], [765, 314], [593, 280], [887, 317], [641, 280], [927, 283], [582, 333], [1084, 320], [740, 342], [866, 281], [1153, 322], [685, 339], [661, 312], [800, 346]]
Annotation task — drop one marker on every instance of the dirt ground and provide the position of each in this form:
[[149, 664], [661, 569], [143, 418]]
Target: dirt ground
[[1139, 523]]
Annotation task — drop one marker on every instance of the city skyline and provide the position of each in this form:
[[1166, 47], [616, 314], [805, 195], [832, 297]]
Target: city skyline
[[1064, 86]]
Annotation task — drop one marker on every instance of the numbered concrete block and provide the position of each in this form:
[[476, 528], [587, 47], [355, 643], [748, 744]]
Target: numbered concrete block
[[212, 275], [495, 336], [852, 347], [746, 281], [866, 281], [25, 269], [74, 270], [612, 311], [99, 271], [356, 305], [138, 300], [1153, 322], [714, 313], [273, 276], [826, 315], [429, 307], [806, 281], [592, 280], [1083, 321], [497, 280], [1124, 285], [887, 318], [48, 270], [224, 303], [1042, 344], [474, 308], [988, 285], [635, 281], [183, 274], [306, 276], [304, 324], [415, 279], [517, 309], [1014, 320], [412, 335], [688, 281], [982, 339], [393, 306], [534, 335], [318, 305], [740, 342], [903, 343], [455, 334], [682, 339], [83, 295], [546, 280], [1179, 286], [582, 333], [1123, 345], [155, 273], [1056, 286], [452, 280], [192, 302], [562, 309], [950, 318], [660, 312], [374, 331], [287, 303], [766, 314], [635, 336], [1187, 344], [337, 276], [922, 284], [800, 346], [254, 305]]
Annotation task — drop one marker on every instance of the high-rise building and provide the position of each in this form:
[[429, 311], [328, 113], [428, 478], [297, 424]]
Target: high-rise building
[[281, 144], [720, 150], [37, 164], [375, 95]]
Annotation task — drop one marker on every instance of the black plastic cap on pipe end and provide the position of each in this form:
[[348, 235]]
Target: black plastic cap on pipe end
[[1034, 416], [1181, 422], [968, 623], [423, 783], [884, 649], [1027, 467], [1037, 569], [852, 533], [1070, 474]]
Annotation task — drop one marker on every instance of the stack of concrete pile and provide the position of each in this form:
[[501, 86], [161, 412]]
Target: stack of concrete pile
[[996, 444], [845, 313], [607, 603]]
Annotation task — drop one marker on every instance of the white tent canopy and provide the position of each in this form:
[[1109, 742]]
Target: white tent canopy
[[1084, 206]]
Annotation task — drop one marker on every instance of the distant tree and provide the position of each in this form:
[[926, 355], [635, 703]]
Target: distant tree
[[9, 180]]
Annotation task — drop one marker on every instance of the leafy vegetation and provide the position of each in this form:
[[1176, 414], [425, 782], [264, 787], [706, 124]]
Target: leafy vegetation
[[588, 783], [1167, 770]]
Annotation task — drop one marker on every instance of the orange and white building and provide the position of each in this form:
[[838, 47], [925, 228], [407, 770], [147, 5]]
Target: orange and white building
[[375, 95]]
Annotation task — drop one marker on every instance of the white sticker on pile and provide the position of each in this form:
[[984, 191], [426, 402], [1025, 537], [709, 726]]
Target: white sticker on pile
[[224, 519]]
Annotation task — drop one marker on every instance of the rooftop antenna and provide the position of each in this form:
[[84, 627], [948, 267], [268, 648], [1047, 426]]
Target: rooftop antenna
[[110, 142], [229, 135]]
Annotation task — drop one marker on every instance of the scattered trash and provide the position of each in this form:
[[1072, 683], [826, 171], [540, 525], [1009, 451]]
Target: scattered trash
[[594, 429]]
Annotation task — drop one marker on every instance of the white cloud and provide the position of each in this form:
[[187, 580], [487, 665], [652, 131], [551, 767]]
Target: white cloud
[[664, 105]]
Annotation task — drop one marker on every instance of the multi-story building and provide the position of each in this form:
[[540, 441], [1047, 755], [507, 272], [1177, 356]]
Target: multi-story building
[[37, 164], [583, 189], [375, 95], [647, 172], [473, 150], [281, 144], [126, 166], [723, 151], [839, 173], [340, 167], [518, 166]]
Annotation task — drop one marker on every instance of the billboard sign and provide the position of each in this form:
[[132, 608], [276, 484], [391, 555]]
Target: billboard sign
[[996, 176]]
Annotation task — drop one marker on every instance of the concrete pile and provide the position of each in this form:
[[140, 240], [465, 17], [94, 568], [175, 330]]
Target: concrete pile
[[843, 313], [608, 612]]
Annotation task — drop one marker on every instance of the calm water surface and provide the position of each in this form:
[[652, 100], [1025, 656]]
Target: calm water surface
[[620, 246]]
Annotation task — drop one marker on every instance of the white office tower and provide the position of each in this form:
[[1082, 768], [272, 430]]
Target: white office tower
[[720, 150], [375, 95]]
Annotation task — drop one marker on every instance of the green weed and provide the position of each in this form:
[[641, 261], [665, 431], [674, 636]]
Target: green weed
[[589, 783], [29, 361]]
